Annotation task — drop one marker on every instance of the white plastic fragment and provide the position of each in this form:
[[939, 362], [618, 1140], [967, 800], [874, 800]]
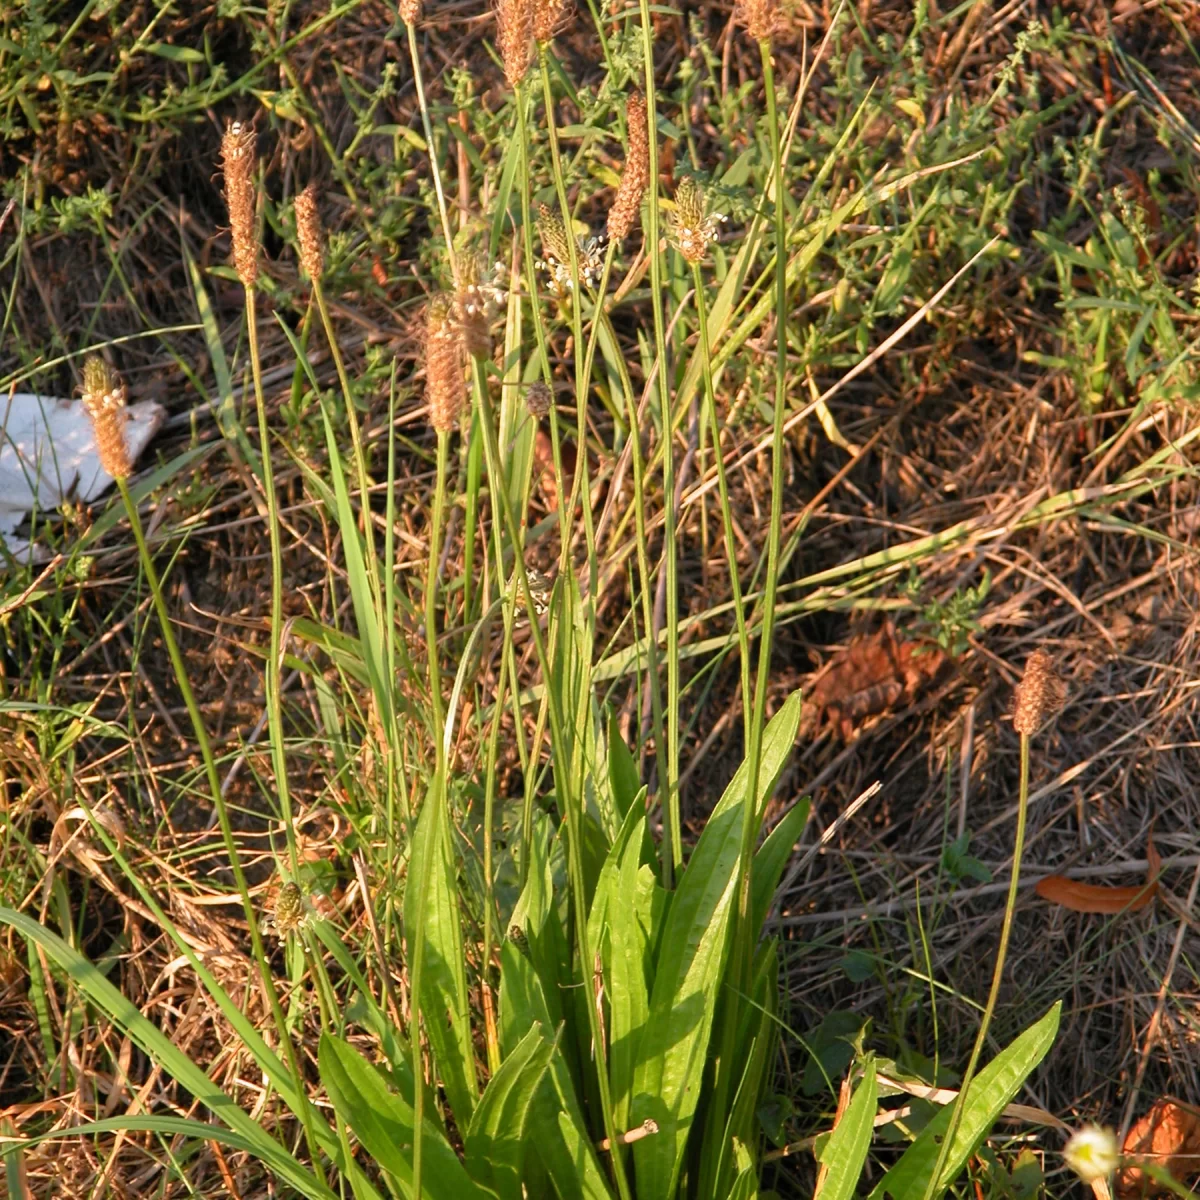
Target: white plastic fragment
[[48, 455]]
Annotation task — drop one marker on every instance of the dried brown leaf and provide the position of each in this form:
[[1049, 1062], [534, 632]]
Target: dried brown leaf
[[1167, 1136], [873, 675], [1099, 898]]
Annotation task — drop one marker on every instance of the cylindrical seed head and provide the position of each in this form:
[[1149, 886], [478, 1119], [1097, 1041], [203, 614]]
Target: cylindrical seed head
[[549, 17], [691, 225], [514, 38], [445, 388], [760, 18], [628, 201], [1039, 695], [410, 11], [309, 234], [104, 400], [538, 399], [290, 909], [238, 159], [474, 305]]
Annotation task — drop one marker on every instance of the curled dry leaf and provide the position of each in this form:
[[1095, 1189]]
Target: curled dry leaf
[[1097, 898], [874, 674], [1167, 1136]]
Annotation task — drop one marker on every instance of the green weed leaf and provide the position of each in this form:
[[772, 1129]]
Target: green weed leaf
[[690, 971], [382, 1120], [990, 1091], [846, 1150], [496, 1138]]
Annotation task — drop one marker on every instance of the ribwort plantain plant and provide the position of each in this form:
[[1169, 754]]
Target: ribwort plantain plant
[[553, 996]]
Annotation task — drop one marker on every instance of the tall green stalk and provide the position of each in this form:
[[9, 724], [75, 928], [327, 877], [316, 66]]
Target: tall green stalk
[[555, 448], [258, 951], [643, 543], [415, 59], [436, 795], [771, 583], [581, 486], [668, 779], [571, 804], [745, 937], [274, 675], [1010, 905], [360, 459], [723, 488]]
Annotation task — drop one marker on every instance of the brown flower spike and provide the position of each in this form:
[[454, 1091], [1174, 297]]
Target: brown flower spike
[[514, 38], [309, 234], [549, 16], [760, 18], [104, 400], [478, 300], [445, 388], [410, 11], [238, 159], [1039, 695], [627, 203]]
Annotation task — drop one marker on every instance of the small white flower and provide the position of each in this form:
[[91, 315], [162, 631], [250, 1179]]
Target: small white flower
[[1092, 1153]]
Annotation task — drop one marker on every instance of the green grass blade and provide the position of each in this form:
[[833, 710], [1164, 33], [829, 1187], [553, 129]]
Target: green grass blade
[[991, 1090], [757, 1044], [224, 410], [846, 1151], [690, 970], [496, 1140], [382, 1121], [746, 1185], [771, 858], [633, 827], [284, 1167], [622, 770], [431, 913], [160, 1049]]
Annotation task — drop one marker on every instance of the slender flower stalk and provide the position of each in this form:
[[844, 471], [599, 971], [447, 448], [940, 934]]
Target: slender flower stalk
[[239, 161], [668, 779], [739, 609], [566, 275], [771, 583], [745, 936], [572, 805], [410, 14], [311, 239], [104, 399], [1038, 696], [446, 393], [531, 282]]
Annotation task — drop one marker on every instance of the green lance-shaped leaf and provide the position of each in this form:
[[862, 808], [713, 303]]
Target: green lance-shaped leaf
[[989, 1092], [382, 1120], [846, 1150], [691, 969], [431, 912], [161, 1050], [499, 1133]]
